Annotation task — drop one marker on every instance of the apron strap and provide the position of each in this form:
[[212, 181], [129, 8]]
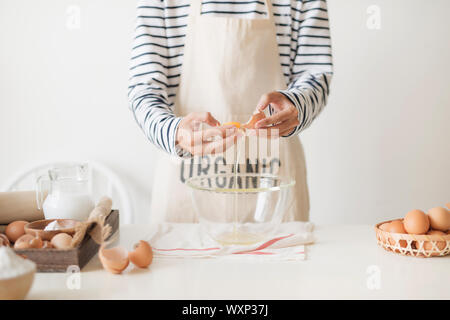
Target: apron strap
[[196, 8], [269, 7]]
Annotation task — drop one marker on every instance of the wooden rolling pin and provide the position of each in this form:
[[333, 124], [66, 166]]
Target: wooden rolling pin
[[19, 205]]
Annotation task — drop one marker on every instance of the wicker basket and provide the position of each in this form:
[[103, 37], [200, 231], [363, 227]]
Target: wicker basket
[[416, 245]]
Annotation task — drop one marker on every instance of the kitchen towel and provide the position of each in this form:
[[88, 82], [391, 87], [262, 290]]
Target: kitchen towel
[[190, 240]]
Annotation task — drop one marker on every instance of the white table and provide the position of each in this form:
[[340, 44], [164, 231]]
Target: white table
[[344, 263]]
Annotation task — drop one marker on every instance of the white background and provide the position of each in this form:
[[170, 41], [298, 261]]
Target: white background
[[380, 148]]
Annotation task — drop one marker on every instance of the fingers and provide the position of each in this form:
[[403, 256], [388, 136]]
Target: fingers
[[192, 138], [289, 128], [208, 141], [269, 98], [221, 145], [276, 131], [263, 102], [205, 117], [208, 135], [285, 125], [286, 132], [281, 116]]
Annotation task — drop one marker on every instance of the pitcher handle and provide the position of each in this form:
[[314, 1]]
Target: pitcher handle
[[39, 192]]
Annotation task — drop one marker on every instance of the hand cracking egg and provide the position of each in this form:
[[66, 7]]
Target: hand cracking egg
[[257, 116]]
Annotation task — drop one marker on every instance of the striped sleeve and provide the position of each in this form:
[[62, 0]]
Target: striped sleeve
[[311, 66], [149, 78]]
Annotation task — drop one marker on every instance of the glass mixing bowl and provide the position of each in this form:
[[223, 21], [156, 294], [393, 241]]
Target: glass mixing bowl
[[240, 208]]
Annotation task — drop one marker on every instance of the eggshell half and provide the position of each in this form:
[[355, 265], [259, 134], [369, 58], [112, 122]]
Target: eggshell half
[[24, 242], [114, 260], [142, 255], [250, 124]]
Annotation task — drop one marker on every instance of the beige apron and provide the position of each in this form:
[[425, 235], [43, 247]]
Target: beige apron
[[228, 64]]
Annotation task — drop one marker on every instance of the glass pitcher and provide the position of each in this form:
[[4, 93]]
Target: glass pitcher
[[68, 193]]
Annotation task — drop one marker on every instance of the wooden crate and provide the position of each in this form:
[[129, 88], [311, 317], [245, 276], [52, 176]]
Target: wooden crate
[[56, 260]]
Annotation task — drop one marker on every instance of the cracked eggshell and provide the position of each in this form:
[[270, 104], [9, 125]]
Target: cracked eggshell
[[142, 255], [253, 120], [27, 241], [114, 260]]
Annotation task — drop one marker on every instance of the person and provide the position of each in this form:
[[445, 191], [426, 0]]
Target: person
[[197, 64]]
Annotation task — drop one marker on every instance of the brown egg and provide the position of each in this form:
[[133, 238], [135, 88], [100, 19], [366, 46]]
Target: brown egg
[[448, 205], [439, 218], [428, 246], [253, 120], [27, 241], [4, 241], [142, 255], [114, 260], [384, 226], [15, 230], [396, 226], [62, 241], [416, 222]]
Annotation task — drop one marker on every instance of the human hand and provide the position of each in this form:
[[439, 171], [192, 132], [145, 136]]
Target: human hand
[[285, 118], [190, 137]]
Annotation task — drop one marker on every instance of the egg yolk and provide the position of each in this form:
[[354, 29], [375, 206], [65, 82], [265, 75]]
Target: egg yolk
[[233, 123]]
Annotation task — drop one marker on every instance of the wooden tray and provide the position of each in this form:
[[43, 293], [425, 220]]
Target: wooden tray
[[57, 260]]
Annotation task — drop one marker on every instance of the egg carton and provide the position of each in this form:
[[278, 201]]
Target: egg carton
[[416, 245]]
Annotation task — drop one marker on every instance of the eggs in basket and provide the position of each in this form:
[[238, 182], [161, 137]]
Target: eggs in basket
[[418, 234]]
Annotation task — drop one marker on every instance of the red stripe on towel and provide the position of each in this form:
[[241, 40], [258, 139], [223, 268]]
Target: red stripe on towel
[[259, 252], [202, 249], [265, 244]]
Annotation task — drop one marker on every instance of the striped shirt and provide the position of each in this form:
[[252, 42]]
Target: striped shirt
[[304, 43]]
